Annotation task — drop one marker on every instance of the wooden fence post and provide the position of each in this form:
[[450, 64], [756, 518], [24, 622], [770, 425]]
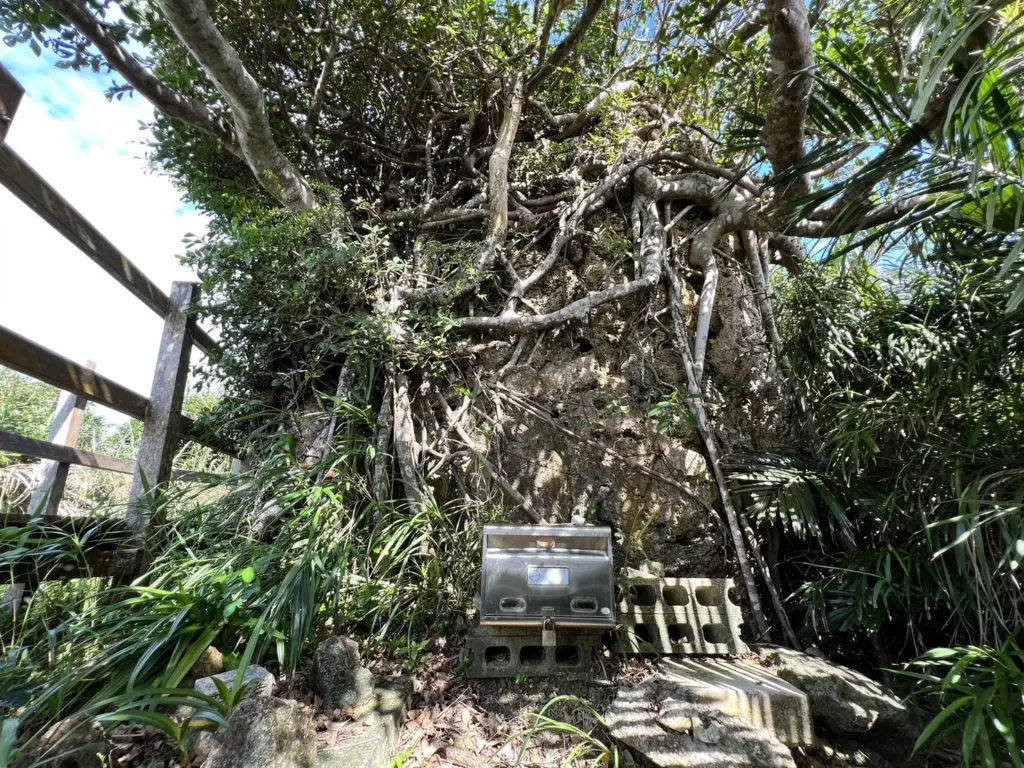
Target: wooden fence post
[[51, 476], [10, 96], [161, 430]]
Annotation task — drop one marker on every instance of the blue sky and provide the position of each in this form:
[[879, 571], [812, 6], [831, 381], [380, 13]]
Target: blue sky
[[92, 151]]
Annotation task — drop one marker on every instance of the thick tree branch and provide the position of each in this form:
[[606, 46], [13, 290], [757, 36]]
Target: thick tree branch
[[702, 253], [566, 47], [194, 26], [497, 196], [497, 171], [792, 59], [167, 100], [741, 33], [828, 224], [578, 121], [651, 249]]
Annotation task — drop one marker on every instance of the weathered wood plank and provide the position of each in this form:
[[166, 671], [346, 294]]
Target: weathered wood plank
[[50, 476], [33, 190], [110, 533], [161, 429], [36, 361], [41, 449], [119, 564], [10, 97]]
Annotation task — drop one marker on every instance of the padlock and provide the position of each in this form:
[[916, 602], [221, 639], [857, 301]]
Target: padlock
[[547, 634]]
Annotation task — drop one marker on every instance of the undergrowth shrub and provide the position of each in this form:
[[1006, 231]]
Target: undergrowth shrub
[[903, 537], [260, 565]]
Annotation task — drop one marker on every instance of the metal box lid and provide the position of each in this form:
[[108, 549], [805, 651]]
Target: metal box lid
[[532, 573]]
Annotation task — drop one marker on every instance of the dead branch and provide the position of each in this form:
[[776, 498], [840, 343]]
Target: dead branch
[[737, 524], [501, 482]]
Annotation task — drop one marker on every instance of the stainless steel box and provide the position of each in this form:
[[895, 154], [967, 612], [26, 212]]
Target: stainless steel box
[[537, 575]]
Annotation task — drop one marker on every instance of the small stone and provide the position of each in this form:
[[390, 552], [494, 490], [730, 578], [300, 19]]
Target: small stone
[[681, 723], [652, 568], [257, 682], [709, 731], [209, 664]]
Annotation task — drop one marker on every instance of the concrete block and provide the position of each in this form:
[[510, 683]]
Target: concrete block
[[678, 616], [743, 690], [514, 651]]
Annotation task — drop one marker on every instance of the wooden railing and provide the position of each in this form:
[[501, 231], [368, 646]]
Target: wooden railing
[[163, 423]]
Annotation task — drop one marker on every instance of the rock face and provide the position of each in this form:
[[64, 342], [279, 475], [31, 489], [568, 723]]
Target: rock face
[[846, 703], [655, 719], [256, 680], [265, 733], [342, 682]]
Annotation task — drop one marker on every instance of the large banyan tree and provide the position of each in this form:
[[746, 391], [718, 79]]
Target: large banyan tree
[[536, 242]]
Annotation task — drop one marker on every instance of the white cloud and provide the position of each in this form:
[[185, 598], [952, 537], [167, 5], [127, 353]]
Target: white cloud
[[91, 150]]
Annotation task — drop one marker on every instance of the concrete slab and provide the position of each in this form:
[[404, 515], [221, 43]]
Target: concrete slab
[[669, 733], [743, 690]]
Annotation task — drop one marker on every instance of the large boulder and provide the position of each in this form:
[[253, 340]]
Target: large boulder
[[656, 720], [342, 682], [265, 733], [846, 703]]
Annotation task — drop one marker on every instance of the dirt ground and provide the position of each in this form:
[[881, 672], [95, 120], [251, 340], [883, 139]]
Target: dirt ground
[[455, 721]]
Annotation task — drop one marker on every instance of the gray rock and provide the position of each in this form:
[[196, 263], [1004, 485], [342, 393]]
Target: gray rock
[[265, 733], [846, 703], [71, 743], [656, 721], [341, 680], [370, 745], [257, 682]]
